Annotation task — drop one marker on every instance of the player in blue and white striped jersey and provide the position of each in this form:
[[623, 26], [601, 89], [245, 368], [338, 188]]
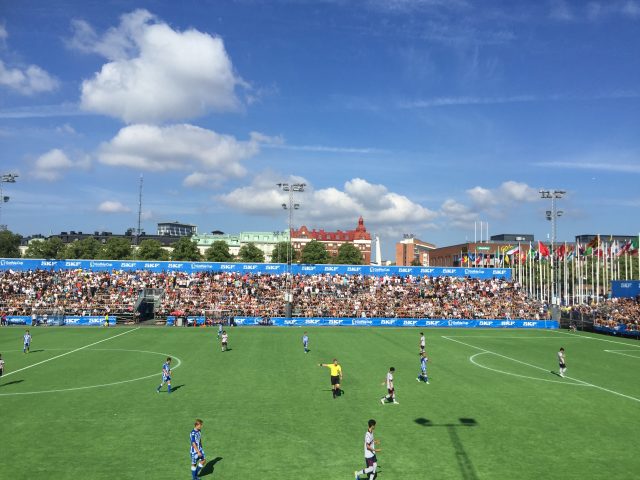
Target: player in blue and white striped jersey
[[197, 452], [423, 377], [166, 375], [305, 342]]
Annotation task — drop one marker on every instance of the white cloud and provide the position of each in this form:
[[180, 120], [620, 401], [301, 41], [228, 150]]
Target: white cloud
[[509, 192], [113, 207], [3, 33], [52, 165], [28, 80], [496, 202], [180, 147], [331, 206], [594, 165], [156, 73]]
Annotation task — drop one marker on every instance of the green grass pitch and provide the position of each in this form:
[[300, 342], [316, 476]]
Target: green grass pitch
[[493, 409]]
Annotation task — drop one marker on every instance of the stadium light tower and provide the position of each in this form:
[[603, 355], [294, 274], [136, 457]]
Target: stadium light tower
[[291, 189], [553, 214], [5, 178]]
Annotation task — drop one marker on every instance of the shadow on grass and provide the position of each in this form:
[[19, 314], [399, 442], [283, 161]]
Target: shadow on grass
[[36, 351], [173, 389], [209, 467], [465, 465], [11, 383], [227, 350]]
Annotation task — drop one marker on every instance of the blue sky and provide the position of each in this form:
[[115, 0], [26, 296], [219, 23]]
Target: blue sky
[[422, 116]]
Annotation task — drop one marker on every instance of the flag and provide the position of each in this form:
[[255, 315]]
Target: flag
[[560, 252], [513, 250], [634, 247], [592, 245], [543, 249]]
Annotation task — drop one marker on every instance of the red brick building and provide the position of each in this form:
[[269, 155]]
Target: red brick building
[[411, 250], [332, 241]]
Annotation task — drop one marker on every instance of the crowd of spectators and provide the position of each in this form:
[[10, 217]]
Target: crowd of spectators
[[612, 313], [78, 292]]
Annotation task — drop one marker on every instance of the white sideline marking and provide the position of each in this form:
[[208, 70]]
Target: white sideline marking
[[69, 353], [501, 336], [617, 352], [584, 337], [88, 387], [472, 360], [544, 369]]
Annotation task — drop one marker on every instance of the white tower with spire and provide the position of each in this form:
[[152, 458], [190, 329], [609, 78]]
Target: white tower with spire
[[378, 252]]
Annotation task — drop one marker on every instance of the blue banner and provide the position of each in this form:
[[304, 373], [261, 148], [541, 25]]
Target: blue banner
[[625, 288], [60, 320], [21, 264], [18, 320], [620, 330], [398, 322]]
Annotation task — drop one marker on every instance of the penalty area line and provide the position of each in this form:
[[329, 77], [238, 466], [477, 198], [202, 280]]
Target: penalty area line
[[70, 352], [613, 392]]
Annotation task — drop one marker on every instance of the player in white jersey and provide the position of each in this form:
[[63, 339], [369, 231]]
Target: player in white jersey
[[27, 342], [225, 340], [219, 329], [561, 362], [422, 342], [370, 451], [305, 342], [1, 365], [391, 391]]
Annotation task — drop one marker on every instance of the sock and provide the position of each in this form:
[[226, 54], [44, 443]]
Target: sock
[[198, 468], [333, 392], [194, 472], [158, 389], [169, 388]]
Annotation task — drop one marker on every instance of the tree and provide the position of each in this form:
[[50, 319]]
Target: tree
[[87, 248], [279, 253], [250, 253], [9, 244], [116, 249], [416, 262], [151, 250], [348, 254], [218, 252], [185, 249], [315, 252], [52, 247]]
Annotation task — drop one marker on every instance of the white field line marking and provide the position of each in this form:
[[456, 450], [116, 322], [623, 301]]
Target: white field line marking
[[584, 337], [544, 369], [618, 352], [104, 384], [472, 360], [500, 336], [69, 353]]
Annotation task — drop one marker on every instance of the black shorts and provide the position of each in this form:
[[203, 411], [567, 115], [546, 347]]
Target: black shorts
[[335, 380], [370, 461], [390, 391], [224, 344], [562, 365]]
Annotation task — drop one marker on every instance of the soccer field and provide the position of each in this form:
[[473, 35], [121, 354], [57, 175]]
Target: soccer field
[[83, 404]]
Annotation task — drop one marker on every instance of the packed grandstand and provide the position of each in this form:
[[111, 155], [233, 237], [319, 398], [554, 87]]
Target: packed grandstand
[[217, 295]]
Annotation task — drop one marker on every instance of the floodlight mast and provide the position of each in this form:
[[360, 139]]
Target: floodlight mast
[[552, 215], [5, 178], [290, 206]]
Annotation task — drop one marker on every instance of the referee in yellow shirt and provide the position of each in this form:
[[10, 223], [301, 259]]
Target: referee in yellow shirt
[[336, 376]]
